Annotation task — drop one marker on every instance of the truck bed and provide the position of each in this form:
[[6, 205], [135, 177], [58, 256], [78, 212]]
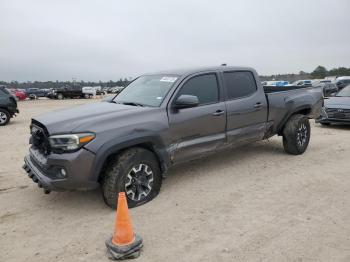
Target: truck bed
[[285, 100]]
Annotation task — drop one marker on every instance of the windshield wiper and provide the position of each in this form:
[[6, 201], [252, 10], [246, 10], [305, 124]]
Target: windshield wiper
[[130, 103]]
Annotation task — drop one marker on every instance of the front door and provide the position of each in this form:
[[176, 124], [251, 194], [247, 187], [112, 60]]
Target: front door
[[199, 130]]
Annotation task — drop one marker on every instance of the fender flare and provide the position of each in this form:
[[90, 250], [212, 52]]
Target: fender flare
[[288, 116], [119, 144]]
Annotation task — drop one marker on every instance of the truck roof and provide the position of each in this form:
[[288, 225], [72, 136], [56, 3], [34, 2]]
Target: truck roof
[[188, 71]]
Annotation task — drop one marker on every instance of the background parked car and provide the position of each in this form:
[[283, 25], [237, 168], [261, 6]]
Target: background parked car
[[302, 83], [327, 87], [34, 93], [337, 108], [342, 82], [8, 106], [20, 95], [105, 90], [66, 92], [275, 83]]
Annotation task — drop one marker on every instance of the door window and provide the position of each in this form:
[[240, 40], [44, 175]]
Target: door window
[[205, 87], [239, 84]]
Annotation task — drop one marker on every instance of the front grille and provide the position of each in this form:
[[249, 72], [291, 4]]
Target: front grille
[[338, 113], [39, 138]]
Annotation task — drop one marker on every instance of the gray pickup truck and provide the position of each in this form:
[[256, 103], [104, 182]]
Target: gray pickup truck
[[159, 120]]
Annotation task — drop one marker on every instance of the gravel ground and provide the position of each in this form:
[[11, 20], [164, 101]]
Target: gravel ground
[[250, 204]]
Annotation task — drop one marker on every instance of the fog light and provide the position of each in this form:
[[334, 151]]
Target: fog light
[[63, 173]]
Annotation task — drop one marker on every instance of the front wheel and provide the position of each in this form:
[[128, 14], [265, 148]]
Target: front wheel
[[296, 134], [4, 117], [60, 96], [136, 172]]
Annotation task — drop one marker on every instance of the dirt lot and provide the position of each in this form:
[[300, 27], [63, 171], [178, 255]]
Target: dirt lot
[[252, 204]]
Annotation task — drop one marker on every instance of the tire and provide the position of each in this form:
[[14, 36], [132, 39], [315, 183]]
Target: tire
[[4, 117], [60, 96], [118, 174], [325, 124], [86, 96], [296, 134], [33, 97]]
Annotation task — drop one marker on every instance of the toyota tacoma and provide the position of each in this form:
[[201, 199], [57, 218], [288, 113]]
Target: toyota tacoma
[[162, 119]]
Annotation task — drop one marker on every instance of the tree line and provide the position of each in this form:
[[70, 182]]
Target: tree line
[[320, 72], [59, 84]]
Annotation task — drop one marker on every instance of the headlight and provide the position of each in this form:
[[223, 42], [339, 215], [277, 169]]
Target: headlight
[[70, 142]]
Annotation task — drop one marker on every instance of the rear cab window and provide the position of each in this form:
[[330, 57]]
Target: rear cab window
[[239, 84]]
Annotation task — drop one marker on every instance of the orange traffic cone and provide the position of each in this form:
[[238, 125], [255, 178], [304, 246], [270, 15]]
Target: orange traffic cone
[[124, 243]]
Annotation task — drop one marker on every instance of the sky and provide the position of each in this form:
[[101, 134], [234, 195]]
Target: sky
[[104, 40]]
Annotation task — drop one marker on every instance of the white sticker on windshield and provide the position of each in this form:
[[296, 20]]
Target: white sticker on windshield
[[159, 97], [170, 79]]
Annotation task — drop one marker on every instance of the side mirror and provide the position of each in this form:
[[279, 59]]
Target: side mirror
[[186, 101]]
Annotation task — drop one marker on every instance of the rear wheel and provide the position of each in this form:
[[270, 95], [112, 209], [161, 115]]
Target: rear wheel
[[296, 134], [136, 172], [4, 117], [60, 96], [87, 96]]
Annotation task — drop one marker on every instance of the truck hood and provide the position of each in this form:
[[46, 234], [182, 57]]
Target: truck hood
[[87, 117], [343, 102]]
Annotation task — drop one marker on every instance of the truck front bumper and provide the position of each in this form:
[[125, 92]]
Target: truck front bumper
[[77, 167]]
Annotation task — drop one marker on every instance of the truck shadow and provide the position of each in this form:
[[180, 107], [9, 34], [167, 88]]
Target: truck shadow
[[336, 126]]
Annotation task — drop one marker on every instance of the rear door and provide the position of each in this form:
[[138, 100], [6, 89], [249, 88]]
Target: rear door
[[200, 130], [3, 97], [247, 107]]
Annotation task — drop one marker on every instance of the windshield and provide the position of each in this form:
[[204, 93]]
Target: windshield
[[345, 91], [148, 90]]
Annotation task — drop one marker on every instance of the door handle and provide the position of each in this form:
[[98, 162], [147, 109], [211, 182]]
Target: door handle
[[258, 105], [218, 112]]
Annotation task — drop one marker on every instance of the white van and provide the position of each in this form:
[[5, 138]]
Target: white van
[[91, 91]]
